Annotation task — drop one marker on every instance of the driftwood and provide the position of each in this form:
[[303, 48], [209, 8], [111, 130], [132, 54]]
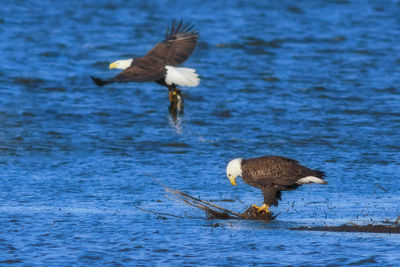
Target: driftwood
[[161, 214], [213, 211], [216, 212]]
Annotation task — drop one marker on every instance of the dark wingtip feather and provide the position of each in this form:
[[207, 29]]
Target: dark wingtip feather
[[172, 27], [167, 33], [99, 81], [180, 27], [189, 27], [319, 174]]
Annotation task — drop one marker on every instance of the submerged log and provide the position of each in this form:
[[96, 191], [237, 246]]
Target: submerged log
[[354, 228], [388, 228]]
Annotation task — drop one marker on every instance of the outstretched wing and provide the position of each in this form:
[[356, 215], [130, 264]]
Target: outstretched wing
[[178, 45], [142, 70]]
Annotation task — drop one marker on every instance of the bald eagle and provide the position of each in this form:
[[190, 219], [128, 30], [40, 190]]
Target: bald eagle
[[160, 63], [272, 174]]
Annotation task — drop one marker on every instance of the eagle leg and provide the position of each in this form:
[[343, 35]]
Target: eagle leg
[[262, 209], [171, 92]]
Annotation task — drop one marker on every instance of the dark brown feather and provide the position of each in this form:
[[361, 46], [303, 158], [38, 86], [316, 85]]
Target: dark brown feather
[[271, 195], [178, 45], [273, 174]]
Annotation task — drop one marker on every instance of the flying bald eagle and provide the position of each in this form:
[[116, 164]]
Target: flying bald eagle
[[160, 63], [272, 174]]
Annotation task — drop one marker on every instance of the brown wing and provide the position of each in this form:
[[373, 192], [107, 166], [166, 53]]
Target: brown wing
[[268, 170], [178, 45], [144, 69]]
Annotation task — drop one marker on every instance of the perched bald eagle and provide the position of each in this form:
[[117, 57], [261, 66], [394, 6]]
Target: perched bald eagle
[[160, 63], [272, 174]]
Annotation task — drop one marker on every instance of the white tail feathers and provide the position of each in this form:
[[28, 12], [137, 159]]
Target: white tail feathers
[[310, 179], [182, 76]]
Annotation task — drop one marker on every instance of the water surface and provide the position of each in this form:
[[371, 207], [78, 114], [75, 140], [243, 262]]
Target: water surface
[[312, 80]]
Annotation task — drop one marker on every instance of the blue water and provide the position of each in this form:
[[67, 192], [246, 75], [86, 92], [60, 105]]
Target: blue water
[[317, 81]]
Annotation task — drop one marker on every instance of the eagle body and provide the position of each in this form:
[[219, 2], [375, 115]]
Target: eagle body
[[142, 69], [273, 174]]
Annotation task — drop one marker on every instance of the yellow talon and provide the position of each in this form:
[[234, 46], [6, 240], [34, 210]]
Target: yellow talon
[[263, 208], [171, 94]]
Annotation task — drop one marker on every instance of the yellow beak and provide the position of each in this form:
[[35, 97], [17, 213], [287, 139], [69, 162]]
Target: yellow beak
[[113, 65], [232, 180]]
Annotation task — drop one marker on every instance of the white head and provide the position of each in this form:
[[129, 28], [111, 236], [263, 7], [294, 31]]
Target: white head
[[234, 169], [121, 64]]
